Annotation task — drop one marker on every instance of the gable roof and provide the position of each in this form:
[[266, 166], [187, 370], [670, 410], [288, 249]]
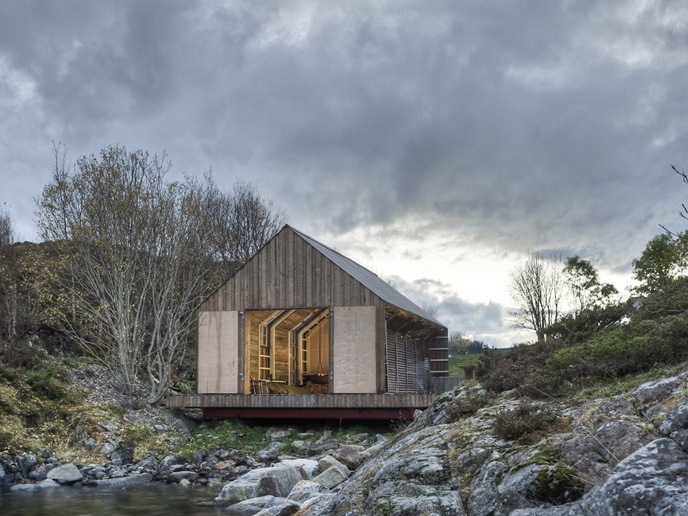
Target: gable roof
[[367, 278]]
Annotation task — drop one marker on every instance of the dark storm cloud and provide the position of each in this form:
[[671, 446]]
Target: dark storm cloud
[[512, 126]]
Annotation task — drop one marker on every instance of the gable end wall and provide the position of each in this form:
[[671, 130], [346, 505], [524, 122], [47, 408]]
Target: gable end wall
[[289, 273]]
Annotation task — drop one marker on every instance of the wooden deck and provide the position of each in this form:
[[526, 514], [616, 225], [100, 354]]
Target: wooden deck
[[305, 406]]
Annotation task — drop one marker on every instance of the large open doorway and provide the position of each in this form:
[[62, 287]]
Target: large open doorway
[[287, 351]]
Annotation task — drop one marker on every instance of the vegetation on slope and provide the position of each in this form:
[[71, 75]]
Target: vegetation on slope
[[599, 346]]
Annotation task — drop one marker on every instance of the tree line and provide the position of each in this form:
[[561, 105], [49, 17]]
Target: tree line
[[554, 296], [127, 258]]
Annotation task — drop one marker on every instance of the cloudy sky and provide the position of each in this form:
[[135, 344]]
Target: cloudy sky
[[436, 142]]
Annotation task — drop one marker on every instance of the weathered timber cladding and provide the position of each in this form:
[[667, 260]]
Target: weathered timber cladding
[[408, 369], [294, 278], [287, 273], [438, 353]]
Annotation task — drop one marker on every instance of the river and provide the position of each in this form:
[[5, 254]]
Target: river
[[149, 500]]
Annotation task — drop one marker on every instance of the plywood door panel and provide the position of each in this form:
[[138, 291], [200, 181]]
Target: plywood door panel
[[218, 352], [354, 356]]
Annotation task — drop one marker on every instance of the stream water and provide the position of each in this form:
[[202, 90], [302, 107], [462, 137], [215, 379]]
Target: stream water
[[149, 500]]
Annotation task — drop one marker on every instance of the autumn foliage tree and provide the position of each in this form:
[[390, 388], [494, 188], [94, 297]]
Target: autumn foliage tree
[[140, 259]]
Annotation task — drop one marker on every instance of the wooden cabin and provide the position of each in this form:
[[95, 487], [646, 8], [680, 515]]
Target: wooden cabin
[[303, 331]]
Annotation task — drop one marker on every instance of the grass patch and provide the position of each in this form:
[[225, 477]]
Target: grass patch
[[606, 388], [458, 361], [37, 400], [226, 434]]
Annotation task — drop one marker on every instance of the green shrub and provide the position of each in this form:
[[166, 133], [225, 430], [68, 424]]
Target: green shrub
[[636, 347], [558, 484], [576, 329], [525, 420], [523, 367]]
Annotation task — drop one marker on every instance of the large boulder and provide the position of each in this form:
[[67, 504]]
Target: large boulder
[[122, 482], [277, 481], [65, 474], [263, 505], [594, 453], [351, 455], [332, 476], [653, 480], [305, 490], [404, 498], [484, 498]]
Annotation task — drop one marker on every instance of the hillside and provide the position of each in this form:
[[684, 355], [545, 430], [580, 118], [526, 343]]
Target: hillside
[[479, 454]]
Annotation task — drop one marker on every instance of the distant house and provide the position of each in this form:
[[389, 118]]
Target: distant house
[[301, 330]]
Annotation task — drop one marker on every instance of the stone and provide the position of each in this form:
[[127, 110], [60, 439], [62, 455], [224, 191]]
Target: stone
[[278, 433], [118, 483], [270, 454], [400, 497], [27, 462], [676, 420], [651, 392], [484, 498], [116, 458], [300, 445], [327, 461], [41, 472], [425, 466], [332, 476], [517, 488], [323, 505], [65, 474], [360, 438], [263, 505], [178, 476], [305, 490], [307, 467], [47, 484], [350, 455], [594, 454], [110, 426], [317, 448], [278, 481], [448, 503], [23, 487], [107, 449], [170, 460], [653, 480]]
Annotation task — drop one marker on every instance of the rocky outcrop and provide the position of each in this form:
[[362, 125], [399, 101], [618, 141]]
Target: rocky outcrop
[[621, 455], [468, 454]]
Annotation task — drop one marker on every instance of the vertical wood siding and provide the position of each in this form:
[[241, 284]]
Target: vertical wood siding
[[289, 273]]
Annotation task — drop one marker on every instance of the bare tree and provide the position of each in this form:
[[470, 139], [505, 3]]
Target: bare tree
[[140, 261], [242, 222], [6, 229], [9, 288], [537, 287]]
